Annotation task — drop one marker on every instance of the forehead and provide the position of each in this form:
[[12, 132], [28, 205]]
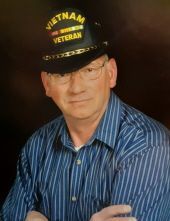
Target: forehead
[[97, 61]]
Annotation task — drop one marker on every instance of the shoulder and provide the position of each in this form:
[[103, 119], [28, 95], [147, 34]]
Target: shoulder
[[50, 128], [42, 139], [140, 134], [151, 130]]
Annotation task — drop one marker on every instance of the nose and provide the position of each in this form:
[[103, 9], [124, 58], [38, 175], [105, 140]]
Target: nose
[[77, 84]]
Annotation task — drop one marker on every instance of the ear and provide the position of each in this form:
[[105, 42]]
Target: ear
[[46, 82], [112, 70]]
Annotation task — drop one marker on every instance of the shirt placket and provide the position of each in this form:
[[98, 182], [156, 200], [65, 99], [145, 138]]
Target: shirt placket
[[76, 177]]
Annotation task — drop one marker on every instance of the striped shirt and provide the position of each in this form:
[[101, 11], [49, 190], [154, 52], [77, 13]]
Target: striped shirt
[[126, 161]]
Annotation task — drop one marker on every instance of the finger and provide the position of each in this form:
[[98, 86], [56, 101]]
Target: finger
[[35, 216], [122, 219], [114, 210]]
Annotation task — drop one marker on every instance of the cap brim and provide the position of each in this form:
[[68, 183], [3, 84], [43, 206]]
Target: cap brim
[[72, 63]]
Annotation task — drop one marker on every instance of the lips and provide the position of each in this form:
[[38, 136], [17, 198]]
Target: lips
[[79, 100]]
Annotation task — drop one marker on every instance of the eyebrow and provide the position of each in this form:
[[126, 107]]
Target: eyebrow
[[105, 59], [96, 62]]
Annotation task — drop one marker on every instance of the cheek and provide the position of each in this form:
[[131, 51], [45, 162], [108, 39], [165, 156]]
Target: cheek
[[54, 90], [59, 101], [56, 94], [103, 86]]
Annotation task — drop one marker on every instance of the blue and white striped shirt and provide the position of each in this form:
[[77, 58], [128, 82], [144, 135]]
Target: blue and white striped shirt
[[127, 161]]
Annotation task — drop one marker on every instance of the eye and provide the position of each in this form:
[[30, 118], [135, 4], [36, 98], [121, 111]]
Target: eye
[[88, 70], [61, 75], [57, 75]]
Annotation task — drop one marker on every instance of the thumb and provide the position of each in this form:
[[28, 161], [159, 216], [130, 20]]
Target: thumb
[[35, 216]]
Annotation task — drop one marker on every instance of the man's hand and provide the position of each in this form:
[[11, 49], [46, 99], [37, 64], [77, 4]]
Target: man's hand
[[109, 213], [35, 216]]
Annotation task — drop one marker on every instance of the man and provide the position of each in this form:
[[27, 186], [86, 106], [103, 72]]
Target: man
[[101, 159]]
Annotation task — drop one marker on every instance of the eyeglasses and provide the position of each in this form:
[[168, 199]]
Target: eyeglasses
[[87, 74]]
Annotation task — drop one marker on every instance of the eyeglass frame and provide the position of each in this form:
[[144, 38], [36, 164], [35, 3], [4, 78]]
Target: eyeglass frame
[[57, 76]]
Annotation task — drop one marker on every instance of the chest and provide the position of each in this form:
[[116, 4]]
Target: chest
[[73, 185]]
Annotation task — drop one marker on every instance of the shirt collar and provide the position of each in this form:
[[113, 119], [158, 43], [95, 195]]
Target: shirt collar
[[108, 127], [64, 135]]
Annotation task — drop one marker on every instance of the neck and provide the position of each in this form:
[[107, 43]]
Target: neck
[[81, 131]]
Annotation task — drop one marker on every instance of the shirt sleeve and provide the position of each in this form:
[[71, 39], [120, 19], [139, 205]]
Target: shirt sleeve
[[21, 197], [143, 181]]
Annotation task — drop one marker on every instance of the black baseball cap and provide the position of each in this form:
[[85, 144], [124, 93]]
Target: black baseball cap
[[73, 41]]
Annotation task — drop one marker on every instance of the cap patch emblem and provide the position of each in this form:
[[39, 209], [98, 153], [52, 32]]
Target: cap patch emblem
[[66, 33]]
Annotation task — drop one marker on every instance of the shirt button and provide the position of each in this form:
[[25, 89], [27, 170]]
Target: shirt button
[[78, 162], [73, 198]]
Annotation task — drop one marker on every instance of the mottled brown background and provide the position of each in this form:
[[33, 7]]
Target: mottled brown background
[[139, 32]]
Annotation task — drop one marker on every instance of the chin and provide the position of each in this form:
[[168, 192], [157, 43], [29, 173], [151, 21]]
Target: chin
[[80, 115]]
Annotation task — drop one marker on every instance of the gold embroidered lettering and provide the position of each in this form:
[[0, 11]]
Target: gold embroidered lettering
[[69, 37], [72, 16], [65, 15], [58, 17], [54, 21], [48, 27], [80, 19]]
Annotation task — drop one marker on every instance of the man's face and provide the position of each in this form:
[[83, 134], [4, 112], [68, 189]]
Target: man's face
[[81, 98]]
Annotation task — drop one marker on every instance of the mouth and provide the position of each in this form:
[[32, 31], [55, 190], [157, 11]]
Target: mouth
[[79, 100]]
